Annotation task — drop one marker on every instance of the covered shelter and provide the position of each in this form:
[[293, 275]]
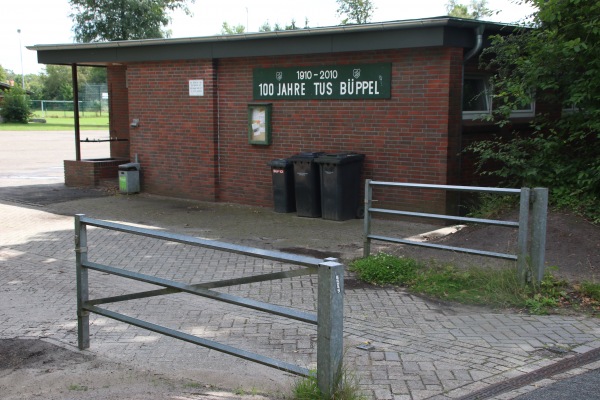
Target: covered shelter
[[406, 94]]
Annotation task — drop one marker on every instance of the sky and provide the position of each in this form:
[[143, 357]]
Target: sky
[[48, 21]]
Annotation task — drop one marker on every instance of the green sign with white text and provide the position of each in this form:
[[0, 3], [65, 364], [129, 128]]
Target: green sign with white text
[[327, 82]]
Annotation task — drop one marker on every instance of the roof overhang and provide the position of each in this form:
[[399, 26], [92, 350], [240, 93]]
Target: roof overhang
[[440, 31], [5, 87]]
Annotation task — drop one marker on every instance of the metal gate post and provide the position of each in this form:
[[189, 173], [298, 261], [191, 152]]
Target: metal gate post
[[523, 237], [367, 220], [538, 231], [330, 320], [83, 316]]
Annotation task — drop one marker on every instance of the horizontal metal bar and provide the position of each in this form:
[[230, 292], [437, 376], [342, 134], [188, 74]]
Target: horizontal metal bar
[[258, 278], [271, 362], [210, 244], [442, 247], [449, 187], [446, 217], [227, 298], [133, 296], [103, 140], [208, 285]]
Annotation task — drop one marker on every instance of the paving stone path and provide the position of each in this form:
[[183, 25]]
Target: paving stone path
[[420, 349]]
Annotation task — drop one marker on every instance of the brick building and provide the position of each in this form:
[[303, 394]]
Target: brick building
[[392, 91]]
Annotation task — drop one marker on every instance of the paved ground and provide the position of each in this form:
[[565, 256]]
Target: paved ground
[[420, 349], [36, 157]]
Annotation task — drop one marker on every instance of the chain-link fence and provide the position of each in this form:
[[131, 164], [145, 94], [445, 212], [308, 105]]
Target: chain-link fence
[[93, 102]]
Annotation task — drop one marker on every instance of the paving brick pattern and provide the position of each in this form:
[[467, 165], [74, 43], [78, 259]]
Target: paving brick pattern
[[421, 349]]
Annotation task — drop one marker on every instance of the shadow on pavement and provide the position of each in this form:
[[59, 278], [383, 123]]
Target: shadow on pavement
[[43, 195]]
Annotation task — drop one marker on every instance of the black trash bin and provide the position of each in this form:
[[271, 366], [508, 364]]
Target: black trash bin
[[284, 198], [340, 185], [307, 184]]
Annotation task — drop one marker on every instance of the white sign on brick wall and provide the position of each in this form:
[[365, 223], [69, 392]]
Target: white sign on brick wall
[[197, 87]]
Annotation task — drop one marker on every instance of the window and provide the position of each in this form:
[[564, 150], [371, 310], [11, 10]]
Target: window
[[477, 100], [524, 110], [571, 109]]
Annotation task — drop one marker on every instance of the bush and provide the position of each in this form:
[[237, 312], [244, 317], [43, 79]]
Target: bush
[[547, 161], [15, 107], [557, 63], [383, 268]]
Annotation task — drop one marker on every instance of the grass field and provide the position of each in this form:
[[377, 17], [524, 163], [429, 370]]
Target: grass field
[[59, 122]]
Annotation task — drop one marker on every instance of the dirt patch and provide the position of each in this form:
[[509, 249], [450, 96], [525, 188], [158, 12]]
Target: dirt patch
[[37, 369], [572, 246], [28, 353]]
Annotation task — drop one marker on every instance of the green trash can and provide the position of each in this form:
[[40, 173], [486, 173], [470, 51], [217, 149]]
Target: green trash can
[[284, 197], [307, 184], [129, 178], [340, 185]]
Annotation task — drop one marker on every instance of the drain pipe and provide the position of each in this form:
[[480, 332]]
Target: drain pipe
[[215, 75], [477, 48], [478, 44]]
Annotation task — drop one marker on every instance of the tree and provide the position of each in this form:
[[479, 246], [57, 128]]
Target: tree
[[355, 11], [92, 75], [227, 29], [3, 75], [476, 10], [15, 107], [11, 76], [34, 86], [57, 83], [556, 61], [106, 20], [266, 27]]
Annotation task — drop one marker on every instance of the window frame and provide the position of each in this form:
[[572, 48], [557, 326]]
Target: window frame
[[488, 93], [476, 114]]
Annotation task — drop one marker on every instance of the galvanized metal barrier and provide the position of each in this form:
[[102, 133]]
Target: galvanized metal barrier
[[530, 259], [329, 318]]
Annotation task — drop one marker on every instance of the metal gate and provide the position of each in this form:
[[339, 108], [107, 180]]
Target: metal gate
[[536, 199], [329, 318]]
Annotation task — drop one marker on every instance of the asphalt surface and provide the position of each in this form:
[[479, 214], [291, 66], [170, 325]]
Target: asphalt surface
[[415, 348], [584, 386]]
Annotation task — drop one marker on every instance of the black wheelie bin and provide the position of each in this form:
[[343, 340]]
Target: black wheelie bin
[[284, 197], [307, 184], [340, 185]]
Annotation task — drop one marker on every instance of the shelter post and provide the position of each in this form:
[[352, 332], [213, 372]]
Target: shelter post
[[76, 112]]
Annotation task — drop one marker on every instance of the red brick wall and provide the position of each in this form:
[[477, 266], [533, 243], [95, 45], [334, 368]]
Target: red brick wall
[[175, 141], [187, 151], [405, 138], [454, 156], [119, 110], [91, 173]]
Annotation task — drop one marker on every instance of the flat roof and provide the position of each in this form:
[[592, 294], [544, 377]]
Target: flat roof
[[438, 31]]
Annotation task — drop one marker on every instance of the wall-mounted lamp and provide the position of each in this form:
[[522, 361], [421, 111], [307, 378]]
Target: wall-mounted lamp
[[135, 123]]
